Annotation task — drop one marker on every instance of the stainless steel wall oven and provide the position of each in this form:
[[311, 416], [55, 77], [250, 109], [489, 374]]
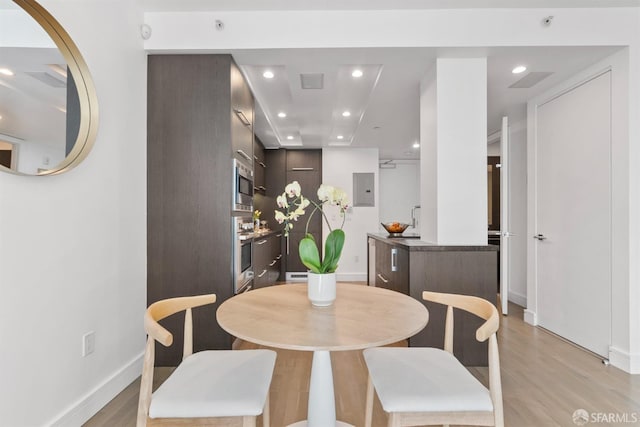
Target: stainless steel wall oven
[[242, 187], [242, 254]]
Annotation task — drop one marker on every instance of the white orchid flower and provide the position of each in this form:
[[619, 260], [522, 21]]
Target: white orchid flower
[[282, 201], [293, 189], [325, 192], [340, 198], [280, 217]]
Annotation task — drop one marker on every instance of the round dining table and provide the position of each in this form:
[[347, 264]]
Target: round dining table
[[361, 317]]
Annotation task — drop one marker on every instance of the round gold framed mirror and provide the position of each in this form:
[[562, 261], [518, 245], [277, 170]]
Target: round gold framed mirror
[[48, 103]]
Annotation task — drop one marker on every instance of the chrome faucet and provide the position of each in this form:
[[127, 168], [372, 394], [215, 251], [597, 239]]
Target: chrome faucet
[[413, 215]]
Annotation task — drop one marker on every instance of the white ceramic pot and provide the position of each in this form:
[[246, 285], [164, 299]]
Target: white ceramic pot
[[321, 289]]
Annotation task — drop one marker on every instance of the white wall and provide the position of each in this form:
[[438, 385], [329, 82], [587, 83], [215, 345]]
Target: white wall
[[625, 331], [459, 171], [428, 163], [518, 213], [338, 167], [72, 251], [399, 192]]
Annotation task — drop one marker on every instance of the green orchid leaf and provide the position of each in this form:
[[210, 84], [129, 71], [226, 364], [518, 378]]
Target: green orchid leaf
[[332, 251], [309, 255]]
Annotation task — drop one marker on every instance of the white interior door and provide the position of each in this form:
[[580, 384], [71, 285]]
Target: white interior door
[[505, 233], [573, 214]]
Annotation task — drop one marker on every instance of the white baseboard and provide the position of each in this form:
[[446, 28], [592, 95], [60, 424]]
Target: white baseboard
[[340, 277], [530, 317], [351, 277], [518, 298], [623, 360], [86, 407]]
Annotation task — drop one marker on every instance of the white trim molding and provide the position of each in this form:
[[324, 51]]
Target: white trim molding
[[531, 317], [89, 405], [518, 298], [624, 360], [351, 277]]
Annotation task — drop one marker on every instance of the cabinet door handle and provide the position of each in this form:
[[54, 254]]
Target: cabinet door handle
[[243, 154], [263, 188], [301, 169], [262, 274], [278, 257], [273, 262], [242, 117], [394, 259], [255, 158], [279, 235], [261, 242], [262, 164], [381, 277]]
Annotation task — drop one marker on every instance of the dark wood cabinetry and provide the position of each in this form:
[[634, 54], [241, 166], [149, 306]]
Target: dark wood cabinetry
[[267, 255], [242, 114], [192, 135], [275, 181], [421, 266], [392, 268], [304, 166], [259, 167]]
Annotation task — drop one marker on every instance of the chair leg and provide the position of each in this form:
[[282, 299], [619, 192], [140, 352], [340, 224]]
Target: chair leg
[[368, 410], [249, 421], [265, 413], [394, 420]]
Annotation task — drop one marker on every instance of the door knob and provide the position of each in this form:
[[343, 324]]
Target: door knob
[[539, 237]]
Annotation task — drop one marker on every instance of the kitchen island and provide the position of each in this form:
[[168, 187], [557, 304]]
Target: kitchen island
[[410, 266]]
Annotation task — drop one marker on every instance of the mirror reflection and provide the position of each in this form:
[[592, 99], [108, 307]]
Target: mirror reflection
[[40, 110]]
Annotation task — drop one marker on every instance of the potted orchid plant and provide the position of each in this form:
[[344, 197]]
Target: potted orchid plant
[[294, 205]]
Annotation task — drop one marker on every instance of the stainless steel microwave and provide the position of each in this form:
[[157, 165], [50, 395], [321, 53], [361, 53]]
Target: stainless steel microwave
[[242, 187]]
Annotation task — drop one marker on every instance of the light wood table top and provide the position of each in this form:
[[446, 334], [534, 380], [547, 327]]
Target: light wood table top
[[361, 317]]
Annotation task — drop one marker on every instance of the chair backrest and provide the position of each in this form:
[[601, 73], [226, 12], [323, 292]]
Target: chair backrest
[[156, 332], [487, 311], [475, 305]]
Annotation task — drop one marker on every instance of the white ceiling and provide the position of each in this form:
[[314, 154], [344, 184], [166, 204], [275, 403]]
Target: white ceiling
[[202, 5], [385, 102]]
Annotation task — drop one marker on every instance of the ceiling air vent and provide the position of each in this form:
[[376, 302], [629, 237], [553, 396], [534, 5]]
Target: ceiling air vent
[[530, 80], [312, 81]]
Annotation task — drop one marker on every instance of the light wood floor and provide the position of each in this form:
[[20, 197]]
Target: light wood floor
[[544, 381]]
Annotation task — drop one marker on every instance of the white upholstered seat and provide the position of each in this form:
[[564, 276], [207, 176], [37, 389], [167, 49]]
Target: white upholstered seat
[[207, 387], [429, 386], [217, 383], [424, 379]]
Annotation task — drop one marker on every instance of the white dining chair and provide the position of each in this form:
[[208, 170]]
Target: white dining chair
[[428, 386], [213, 386]]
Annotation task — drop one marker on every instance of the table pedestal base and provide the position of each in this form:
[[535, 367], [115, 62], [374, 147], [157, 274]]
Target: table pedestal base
[[322, 402], [306, 424]]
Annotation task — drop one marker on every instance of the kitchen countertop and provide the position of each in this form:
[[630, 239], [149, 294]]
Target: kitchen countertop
[[415, 244], [258, 234]]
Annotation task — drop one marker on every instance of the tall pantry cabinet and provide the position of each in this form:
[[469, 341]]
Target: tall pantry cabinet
[[200, 115]]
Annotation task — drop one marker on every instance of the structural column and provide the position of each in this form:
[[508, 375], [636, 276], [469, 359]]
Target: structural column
[[453, 134]]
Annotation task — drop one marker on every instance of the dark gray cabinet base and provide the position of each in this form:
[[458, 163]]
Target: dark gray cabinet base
[[420, 266]]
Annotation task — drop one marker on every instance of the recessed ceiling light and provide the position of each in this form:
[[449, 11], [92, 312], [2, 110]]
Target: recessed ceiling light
[[268, 74], [357, 73], [519, 69], [290, 137], [416, 145], [340, 137], [6, 72], [0, 117], [282, 115], [346, 113]]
